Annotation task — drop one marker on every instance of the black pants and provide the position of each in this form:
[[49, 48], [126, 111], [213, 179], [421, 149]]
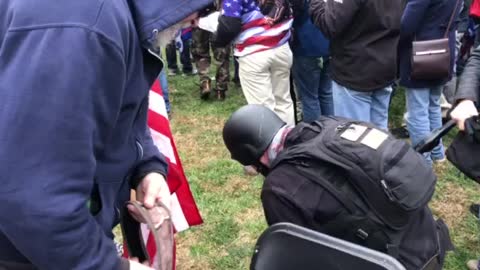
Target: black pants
[[185, 59], [235, 65]]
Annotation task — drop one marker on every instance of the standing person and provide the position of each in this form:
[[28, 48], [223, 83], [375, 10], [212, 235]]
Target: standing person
[[363, 36], [311, 67], [185, 60], [202, 43], [264, 55], [425, 20], [73, 130]]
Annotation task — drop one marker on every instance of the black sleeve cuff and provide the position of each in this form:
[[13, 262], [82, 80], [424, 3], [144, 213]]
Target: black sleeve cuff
[[145, 168]]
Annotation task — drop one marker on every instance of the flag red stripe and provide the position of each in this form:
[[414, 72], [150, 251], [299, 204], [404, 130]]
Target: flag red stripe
[[269, 41], [176, 178]]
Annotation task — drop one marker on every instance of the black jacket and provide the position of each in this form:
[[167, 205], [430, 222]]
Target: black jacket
[[364, 36], [469, 84]]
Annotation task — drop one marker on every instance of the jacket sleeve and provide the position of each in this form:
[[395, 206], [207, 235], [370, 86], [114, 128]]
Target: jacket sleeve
[[61, 89], [412, 17], [228, 29], [469, 82], [333, 16], [152, 160], [278, 207], [229, 23]]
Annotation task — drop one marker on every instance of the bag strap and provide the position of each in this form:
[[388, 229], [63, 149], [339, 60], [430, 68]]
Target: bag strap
[[451, 18]]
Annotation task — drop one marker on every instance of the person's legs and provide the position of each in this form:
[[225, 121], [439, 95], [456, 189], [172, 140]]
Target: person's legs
[[325, 91], [222, 78], [171, 52], [185, 58], [306, 75], [379, 109], [164, 85], [201, 55], [256, 80], [435, 117], [281, 63], [418, 116], [236, 77], [351, 104]]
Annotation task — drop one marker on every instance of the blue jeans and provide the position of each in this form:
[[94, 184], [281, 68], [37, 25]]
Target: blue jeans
[[363, 106], [423, 116], [164, 84], [312, 77]]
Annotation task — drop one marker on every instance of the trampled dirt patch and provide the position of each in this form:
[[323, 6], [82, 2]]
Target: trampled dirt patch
[[451, 205], [199, 140], [185, 261]]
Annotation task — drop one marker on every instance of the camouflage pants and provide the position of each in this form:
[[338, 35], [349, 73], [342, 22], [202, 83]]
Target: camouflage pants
[[201, 55]]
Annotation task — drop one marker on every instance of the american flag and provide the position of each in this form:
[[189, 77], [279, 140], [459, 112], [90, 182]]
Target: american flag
[[257, 33], [184, 211]]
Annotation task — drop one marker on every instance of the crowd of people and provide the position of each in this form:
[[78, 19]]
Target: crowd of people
[[347, 58], [76, 75]]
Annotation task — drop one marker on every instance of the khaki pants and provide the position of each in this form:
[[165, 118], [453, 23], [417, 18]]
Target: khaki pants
[[265, 80]]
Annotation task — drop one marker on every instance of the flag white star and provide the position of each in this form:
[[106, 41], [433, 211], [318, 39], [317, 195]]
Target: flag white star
[[236, 13], [228, 4]]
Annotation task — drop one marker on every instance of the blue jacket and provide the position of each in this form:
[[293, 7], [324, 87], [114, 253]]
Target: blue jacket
[[308, 40], [74, 76], [425, 20]]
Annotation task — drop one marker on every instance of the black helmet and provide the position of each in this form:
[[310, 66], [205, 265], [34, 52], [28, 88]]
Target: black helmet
[[249, 132]]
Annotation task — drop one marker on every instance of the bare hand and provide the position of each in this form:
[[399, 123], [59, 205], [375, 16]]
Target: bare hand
[[464, 110], [152, 188]]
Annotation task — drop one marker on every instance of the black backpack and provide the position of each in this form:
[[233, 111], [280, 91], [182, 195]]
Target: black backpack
[[383, 183]]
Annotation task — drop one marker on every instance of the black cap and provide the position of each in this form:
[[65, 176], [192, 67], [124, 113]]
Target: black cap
[[249, 131]]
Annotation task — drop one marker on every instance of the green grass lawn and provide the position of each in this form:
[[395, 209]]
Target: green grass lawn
[[229, 200]]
